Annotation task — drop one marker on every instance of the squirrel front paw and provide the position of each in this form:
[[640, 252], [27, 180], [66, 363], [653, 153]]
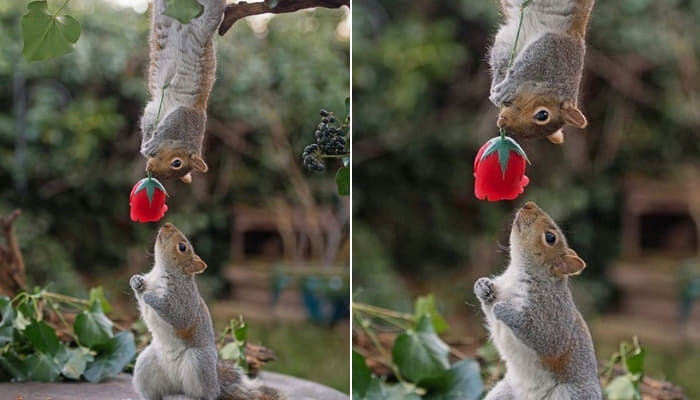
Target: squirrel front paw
[[502, 93], [485, 290], [137, 283]]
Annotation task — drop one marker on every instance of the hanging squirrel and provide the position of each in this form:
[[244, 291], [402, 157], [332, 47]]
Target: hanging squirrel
[[182, 359], [180, 79], [538, 94], [533, 320]]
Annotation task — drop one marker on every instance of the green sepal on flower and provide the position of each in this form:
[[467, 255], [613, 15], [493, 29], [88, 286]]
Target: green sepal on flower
[[503, 145], [150, 185]]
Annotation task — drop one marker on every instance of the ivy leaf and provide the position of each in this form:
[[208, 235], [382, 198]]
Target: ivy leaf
[[361, 376], [43, 337], [342, 180], [97, 294], [240, 330], [41, 367], [420, 354], [425, 305], [47, 35], [461, 382], [230, 351], [635, 361], [622, 388], [378, 390], [74, 362], [183, 10], [112, 357], [93, 327], [8, 317]]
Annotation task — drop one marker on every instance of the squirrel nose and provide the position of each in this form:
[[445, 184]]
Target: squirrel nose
[[529, 206], [501, 121], [168, 225]]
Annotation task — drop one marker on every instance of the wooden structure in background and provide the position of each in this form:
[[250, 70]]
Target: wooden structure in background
[[265, 240], [660, 230]]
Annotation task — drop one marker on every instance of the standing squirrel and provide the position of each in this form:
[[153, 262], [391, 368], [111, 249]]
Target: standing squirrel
[[539, 92], [182, 359], [533, 320], [180, 79]]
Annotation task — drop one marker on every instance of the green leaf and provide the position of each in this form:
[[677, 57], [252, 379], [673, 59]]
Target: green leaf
[[342, 180], [425, 305], [97, 294], [73, 361], [93, 327], [240, 330], [112, 357], [622, 388], [8, 318], [230, 351], [41, 367], [346, 161], [361, 376], [183, 10], [461, 382], [43, 337], [13, 365], [378, 390], [420, 354], [635, 361], [47, 35]]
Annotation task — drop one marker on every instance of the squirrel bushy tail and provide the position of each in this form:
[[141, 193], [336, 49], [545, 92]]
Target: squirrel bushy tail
[[235, 385]]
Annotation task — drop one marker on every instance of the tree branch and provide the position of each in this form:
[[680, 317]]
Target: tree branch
[[236, 11]]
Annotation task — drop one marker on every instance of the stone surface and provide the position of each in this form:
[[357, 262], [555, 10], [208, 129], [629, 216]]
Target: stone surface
[[120, 388]]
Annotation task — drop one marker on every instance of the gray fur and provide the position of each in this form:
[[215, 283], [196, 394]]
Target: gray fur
[[183, 128], [553, 63]]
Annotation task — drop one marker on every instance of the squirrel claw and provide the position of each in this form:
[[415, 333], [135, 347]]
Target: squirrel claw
[[485, 290]]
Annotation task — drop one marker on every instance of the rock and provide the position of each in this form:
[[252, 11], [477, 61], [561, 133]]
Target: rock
[[120, 388]]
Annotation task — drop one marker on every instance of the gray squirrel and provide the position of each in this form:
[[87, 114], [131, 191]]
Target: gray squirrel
[[538, 94], [182, 360], [180, 78], [533, 320]]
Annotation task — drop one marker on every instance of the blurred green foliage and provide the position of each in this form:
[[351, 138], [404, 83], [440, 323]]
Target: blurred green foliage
[[420, 87], [69, 136]]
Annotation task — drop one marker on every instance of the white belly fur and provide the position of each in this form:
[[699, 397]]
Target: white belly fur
[[178, 362], [524, 372]]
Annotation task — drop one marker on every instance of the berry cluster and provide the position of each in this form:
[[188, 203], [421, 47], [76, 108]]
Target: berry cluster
[[330, 141]]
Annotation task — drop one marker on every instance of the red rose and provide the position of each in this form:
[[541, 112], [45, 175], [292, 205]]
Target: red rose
[[147, 200], [499, 170]]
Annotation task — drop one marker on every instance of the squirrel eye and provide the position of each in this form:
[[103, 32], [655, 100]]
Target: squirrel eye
[[550, 238], [181, 247], [542, 115], [176, 163]]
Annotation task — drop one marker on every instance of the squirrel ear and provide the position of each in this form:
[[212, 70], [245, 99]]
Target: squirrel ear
[[198, 163], [571, 264], [556, 137], [198, 266], [572, 115], [187, 178]]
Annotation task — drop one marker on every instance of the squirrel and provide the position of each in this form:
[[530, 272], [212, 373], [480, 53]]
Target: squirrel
[[182, 359], [533, 320], [180, 78], [538, 94]]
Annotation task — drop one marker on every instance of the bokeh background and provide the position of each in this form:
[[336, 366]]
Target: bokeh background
[[626, 190], [275, 237]]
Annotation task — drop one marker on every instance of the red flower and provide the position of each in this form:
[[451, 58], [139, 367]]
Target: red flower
[[499, 170], [147, 200]]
